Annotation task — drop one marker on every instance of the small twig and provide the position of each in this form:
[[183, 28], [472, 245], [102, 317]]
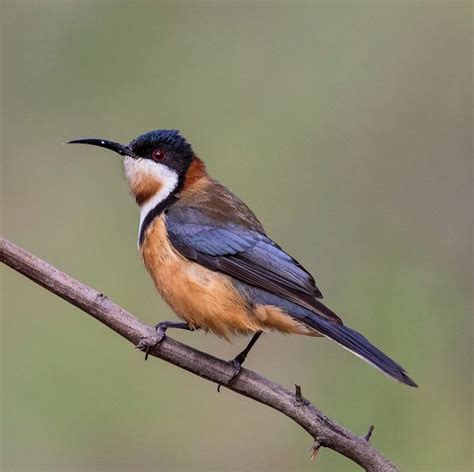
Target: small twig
[[250, 384], [315, 449], [299, 399], [368, 435]]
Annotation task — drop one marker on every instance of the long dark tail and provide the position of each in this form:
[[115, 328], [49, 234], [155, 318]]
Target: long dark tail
[[360, 346]]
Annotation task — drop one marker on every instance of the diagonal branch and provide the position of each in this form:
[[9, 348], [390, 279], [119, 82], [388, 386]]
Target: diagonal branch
[[324, 431]]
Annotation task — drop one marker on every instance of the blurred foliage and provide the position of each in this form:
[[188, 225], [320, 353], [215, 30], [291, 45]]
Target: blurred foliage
[[346, 126]]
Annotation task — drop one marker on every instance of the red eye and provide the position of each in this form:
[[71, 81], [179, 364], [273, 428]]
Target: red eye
[[158, 155]]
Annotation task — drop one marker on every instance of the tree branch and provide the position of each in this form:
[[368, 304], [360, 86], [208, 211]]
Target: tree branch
[[324, 431]]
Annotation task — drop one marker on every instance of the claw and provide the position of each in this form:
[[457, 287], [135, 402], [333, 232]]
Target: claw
[[240, 358], [150, 342], [237, 365]]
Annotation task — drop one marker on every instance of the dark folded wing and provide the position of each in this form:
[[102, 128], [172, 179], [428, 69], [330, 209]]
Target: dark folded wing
[[244, 254]]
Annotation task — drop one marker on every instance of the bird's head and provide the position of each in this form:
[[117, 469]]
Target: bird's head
[[157, 163]]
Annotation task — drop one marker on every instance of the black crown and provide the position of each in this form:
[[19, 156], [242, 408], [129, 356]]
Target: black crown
[[170, 138]]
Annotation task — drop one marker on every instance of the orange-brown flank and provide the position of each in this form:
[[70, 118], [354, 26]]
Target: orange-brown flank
[[203, 298]]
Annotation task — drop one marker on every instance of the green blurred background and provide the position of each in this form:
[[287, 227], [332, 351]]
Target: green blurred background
[[345, 126]]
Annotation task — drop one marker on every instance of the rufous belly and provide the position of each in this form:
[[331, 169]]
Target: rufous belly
[[203, 298]]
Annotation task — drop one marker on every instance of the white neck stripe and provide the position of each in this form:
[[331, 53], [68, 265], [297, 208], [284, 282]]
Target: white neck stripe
[[168, 178], [169, 184]]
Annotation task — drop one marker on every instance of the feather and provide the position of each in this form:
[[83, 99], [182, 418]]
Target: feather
[[227, 238]]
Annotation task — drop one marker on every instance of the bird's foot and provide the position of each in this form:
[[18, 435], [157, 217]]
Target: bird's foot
[[236, 363], [147, 344], [240, 359], [150, 342]]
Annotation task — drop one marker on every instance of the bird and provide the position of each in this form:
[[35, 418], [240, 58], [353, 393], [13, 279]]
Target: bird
[[212, 261]]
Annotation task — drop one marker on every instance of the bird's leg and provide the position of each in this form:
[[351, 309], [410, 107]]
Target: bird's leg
[[239, 359], [161, 328]]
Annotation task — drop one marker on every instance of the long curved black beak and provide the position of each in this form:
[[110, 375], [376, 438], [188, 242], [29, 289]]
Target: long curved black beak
[[113, 146]]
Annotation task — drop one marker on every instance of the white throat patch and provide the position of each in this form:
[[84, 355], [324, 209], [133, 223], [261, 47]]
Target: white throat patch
[[137, 169]]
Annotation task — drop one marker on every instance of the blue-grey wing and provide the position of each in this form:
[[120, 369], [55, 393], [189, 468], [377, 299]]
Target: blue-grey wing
[[245, 254]]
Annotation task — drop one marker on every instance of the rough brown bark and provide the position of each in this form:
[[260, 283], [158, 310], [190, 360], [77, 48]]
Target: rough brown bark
[[324, 431]]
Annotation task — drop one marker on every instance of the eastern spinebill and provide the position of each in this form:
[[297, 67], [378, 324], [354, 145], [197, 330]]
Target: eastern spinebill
[[212, 261]]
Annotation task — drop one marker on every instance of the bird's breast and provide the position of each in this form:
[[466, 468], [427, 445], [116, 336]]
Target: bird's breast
[[205, 299]]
